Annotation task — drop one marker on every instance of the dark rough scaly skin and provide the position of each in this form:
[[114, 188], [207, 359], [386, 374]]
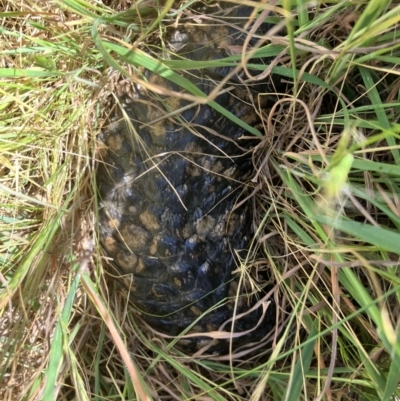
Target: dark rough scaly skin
[[168, 190]]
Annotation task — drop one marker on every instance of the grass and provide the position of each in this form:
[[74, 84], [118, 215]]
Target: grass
[[328, 212]]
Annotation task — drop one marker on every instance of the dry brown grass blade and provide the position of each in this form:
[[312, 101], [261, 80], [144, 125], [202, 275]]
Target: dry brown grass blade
[[134, 374]]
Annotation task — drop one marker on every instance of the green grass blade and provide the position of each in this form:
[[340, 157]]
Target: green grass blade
[[58, 343], [380, 237], [392, 380], [379, 111], [296, 384], [370, 14], [139, 58]]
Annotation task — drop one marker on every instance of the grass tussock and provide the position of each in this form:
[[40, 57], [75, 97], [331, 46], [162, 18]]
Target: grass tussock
[[326, 205]]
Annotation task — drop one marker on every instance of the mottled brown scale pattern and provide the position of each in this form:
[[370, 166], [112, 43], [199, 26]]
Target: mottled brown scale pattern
[[168, 221]]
